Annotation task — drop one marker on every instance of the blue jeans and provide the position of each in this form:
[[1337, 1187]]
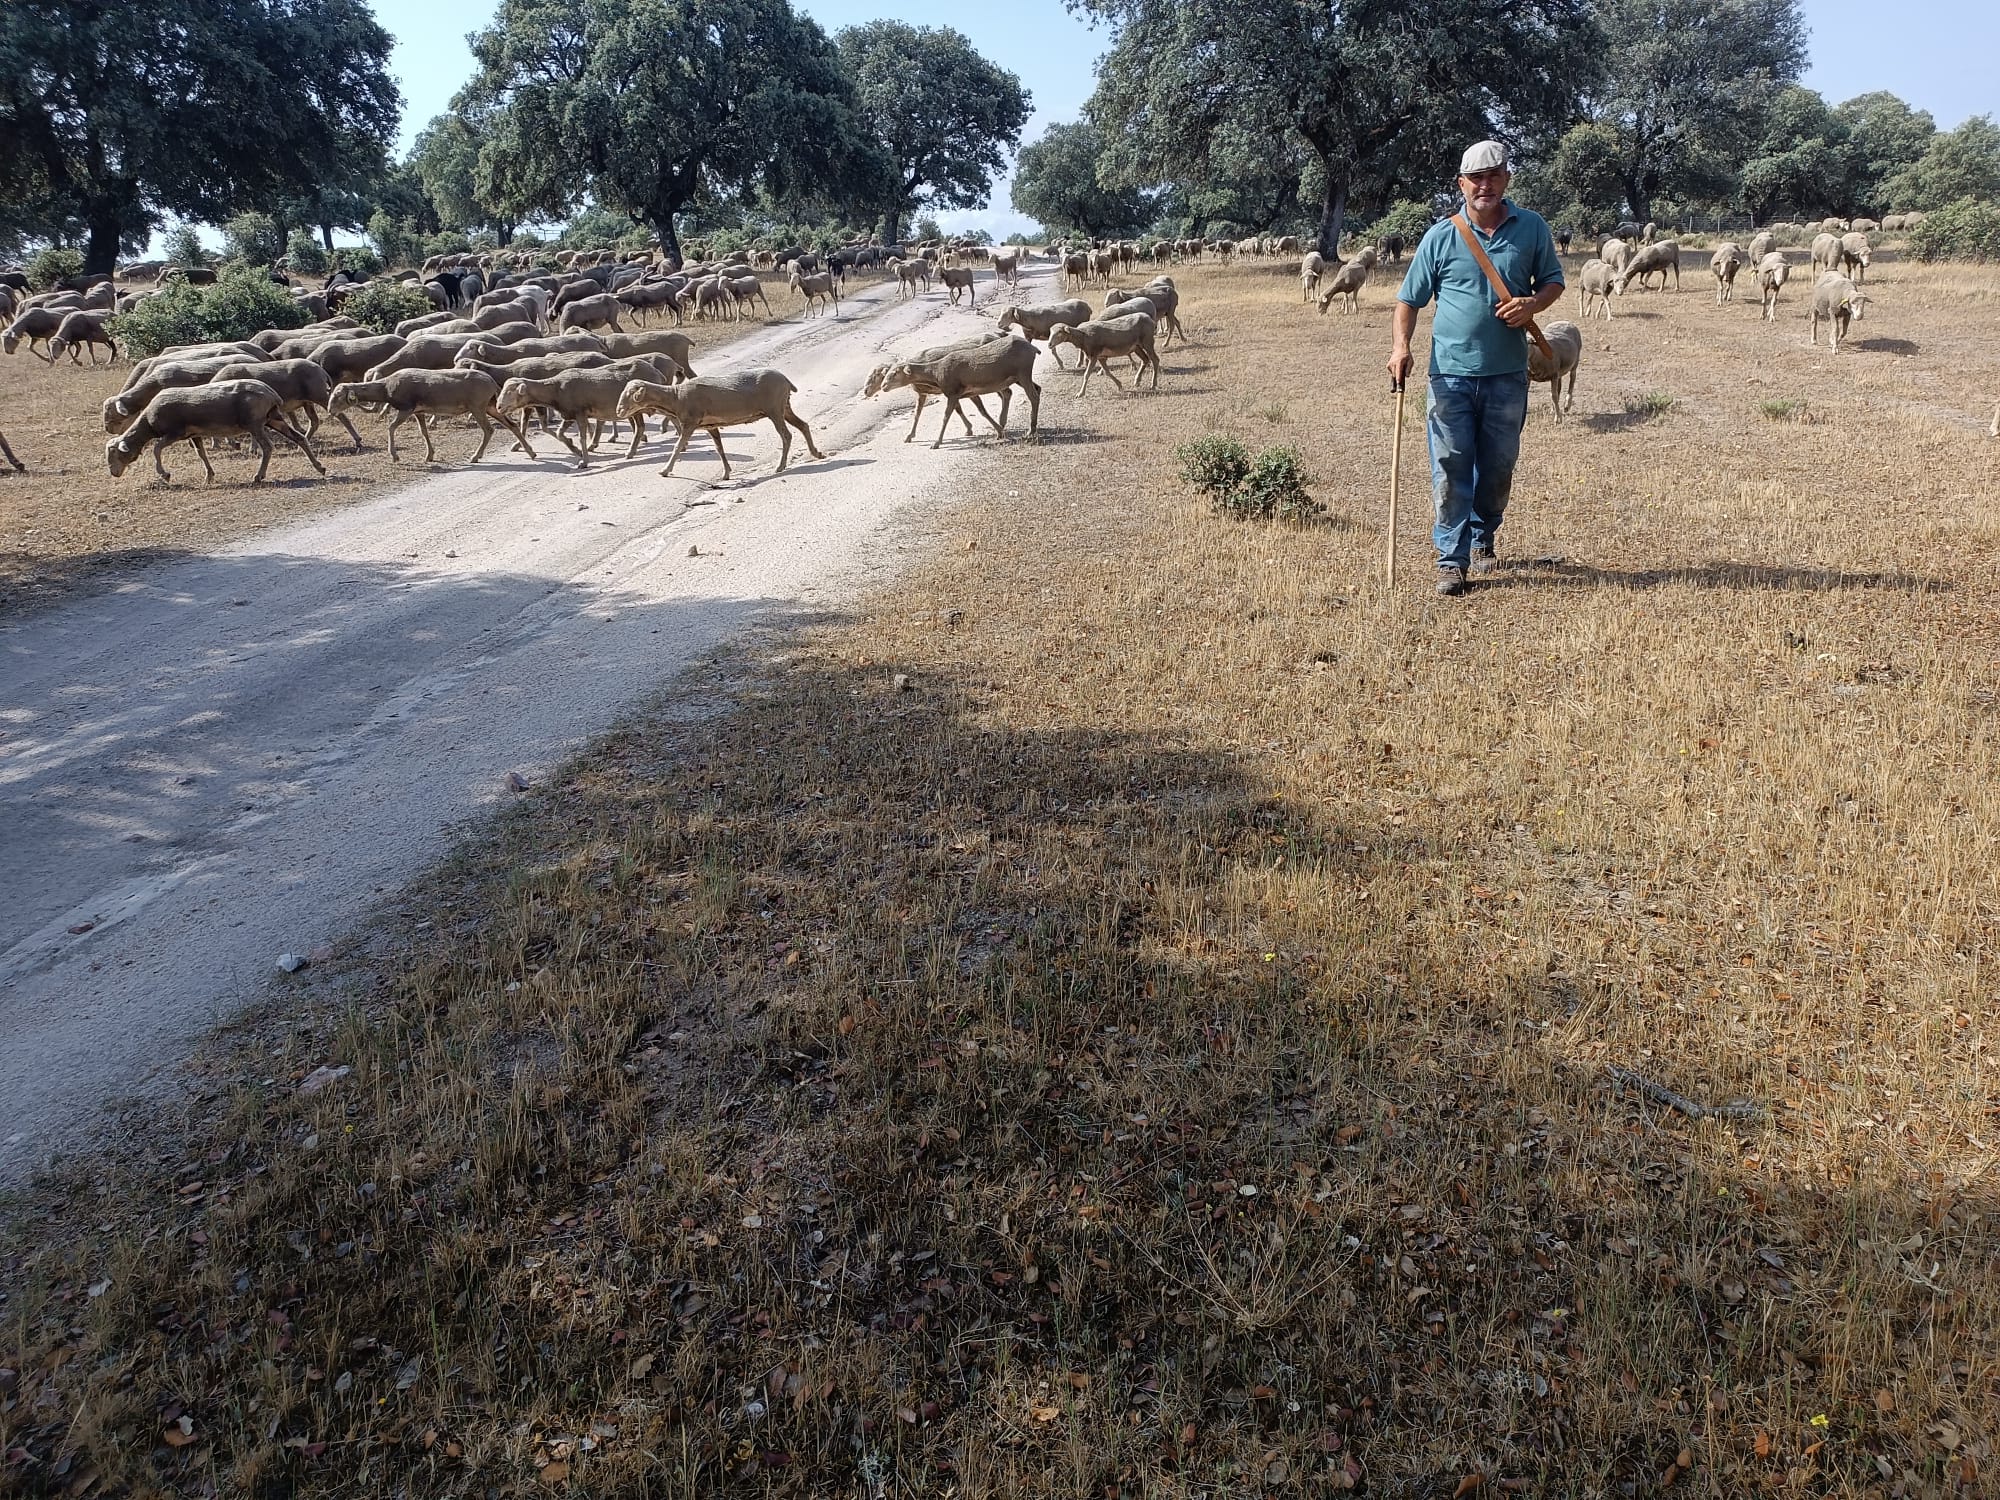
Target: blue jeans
[[1474, 428]]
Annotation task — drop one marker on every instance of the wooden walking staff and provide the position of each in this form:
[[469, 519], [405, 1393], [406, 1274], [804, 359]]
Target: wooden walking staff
[[1395, 476]]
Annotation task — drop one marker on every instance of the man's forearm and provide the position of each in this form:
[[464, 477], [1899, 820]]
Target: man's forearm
[[1405, 324], [1548, 296]]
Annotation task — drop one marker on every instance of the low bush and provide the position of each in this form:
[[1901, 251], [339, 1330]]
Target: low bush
[[383, 304], [1271, 486], [1966, 230], [1408, 218], [184, 246], [47, 267], [307, 255], [254, 239], [357, 260], [235, 307]]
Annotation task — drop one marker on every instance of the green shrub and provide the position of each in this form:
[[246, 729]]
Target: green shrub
[[307, 255], [1408, 218], [254, 239], [383, 304], [49, 266], [1965, 230], [447, 242], [238, 305], [1270, 487], [184, 246], [395, 242]]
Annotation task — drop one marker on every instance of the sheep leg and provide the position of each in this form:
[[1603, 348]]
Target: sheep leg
[[158, 449], [715, 437], [485, 436], [263, 443], [520, 436], [917, 416], [999, 428], [680, 447], [395, 422], [291, 434], [1569, 398], [800, 422], [8, 454], [424, 427], [1034, 406], [638, 435], [202, 453], [950, 406], [784, 440], [344, 422]]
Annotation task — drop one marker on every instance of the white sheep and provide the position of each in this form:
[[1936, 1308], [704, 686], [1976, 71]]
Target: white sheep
[[1614, 252], [235, 408], [1310, 269], [1762, 244], [1853, 256], [1593, 287], [1724, 264], [1837, 302], [1565, 342], [1102, 338], [1772, 273], [1661, 256], [1346, 285], [1825, 252]]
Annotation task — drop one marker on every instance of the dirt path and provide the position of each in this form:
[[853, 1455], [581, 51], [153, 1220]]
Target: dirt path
[[232, 758]]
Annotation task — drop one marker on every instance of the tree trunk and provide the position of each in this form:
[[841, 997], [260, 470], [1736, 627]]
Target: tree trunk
[[1332, 217], [1639, 201], [670, 243], [326, 237], [892, 224], [101, 253]]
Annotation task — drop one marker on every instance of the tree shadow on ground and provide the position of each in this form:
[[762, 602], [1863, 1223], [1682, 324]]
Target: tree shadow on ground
[[1059, 1102], [1901, 347], [1563, 572]]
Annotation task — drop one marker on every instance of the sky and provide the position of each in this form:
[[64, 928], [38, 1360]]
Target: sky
[[1940, 55]]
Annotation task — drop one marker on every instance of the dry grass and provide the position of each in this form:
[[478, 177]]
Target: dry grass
[[67, 524], [1168, 1048]]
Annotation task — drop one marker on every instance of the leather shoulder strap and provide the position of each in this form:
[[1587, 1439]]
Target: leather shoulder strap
[[1500, 290]]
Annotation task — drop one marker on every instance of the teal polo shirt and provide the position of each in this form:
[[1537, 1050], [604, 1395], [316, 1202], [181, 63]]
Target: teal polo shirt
[[1466, 337]]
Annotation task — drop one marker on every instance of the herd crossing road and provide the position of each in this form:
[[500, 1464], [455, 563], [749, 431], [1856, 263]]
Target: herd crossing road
[[235, 756]]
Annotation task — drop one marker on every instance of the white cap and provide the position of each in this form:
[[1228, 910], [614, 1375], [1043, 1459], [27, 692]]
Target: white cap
[[1482, 157]]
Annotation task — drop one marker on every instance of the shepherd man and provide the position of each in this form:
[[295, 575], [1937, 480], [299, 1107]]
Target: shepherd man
[[1491, 268]]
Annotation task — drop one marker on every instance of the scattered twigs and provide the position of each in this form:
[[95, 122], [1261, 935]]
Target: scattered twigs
[[1736, 1109]]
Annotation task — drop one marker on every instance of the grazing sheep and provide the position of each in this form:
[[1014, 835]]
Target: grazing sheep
[[821, 287], [424, 394], [1346, 284], [1835, 301], [1853, 256], [1724, 264], [1772, 273], [522, 310], [1660, 256], [1565, 341], [1762, 244], [1101, 339], [1614, 252], [709, 403], [164, 375], [1036, 321], [1310, 269], [235, 408], [301, 386], [35, 324], [1825, 253], [1594, 285], [956, 279], [591, 312], [79, 329], [970, 370]]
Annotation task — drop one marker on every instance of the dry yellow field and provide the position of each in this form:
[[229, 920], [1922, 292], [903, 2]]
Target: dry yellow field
[[1140, 1009]]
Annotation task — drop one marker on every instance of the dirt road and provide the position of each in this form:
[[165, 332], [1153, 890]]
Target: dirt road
[[232, 758]]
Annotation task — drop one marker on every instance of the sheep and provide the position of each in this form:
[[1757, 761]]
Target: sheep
[[426, 353], [1075, 268], [1563, 238], [1310, 270], [1853, 256], [1836, 301], [300, 384], [1762, 244], [747, 290], [8, 454], [663, 344], [590, 312], [186, 354], [579, 396], [1166, 300], [819, 287], [424, 394], [1007, 267], [956, 279], [488, 352], [908, 274], [709, 403], [969, 371], [35, 324], [1101, 338], [405, 328], [521, 310], [349, 359], [703, 296], [235, 408], [1346, 283], [1614, 252], [1036, 321], [880, 374], [77, 330], [1593, 288], [1661, 256], [647, 296], [1163, 253], [1825, 253], [1565, 341], [1772, 273], [1102, 264], [1724, 264]]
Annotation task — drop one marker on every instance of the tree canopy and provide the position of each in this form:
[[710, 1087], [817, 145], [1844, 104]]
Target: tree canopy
[[1056, 183], [1377, 97], [645, 104], [445, 159], [942, 116], [117, 113], [1961, 163]]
